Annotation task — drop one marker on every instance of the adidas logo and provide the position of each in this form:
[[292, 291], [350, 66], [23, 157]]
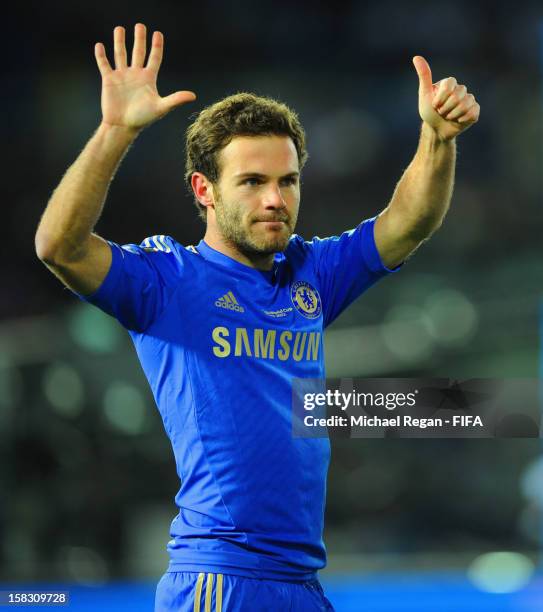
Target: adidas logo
[[229, 302]]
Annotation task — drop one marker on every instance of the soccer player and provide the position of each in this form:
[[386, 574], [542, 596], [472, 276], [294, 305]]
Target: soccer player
[[221, 328]]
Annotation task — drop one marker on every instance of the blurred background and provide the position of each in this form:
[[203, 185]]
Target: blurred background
[[87, 476]]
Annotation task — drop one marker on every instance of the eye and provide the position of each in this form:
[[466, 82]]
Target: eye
[[289, 180], [252, 181]]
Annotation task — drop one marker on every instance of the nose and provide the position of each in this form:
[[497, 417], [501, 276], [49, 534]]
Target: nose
[[273, 198]]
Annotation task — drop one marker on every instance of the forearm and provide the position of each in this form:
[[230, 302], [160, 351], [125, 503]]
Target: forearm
[[423, 194], [77, 202]]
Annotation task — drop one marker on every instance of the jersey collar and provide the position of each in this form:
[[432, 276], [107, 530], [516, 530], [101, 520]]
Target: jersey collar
[[220, 258]]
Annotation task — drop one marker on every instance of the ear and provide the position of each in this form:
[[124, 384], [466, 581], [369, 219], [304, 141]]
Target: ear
[[203, 189]]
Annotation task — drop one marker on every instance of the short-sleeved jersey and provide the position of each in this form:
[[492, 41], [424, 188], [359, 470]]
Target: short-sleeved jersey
[[220, 343]]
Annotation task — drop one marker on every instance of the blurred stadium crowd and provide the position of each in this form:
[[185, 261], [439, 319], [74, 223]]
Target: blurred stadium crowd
[[87, 478]]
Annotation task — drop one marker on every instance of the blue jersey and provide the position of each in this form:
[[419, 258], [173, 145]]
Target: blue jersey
[[220, 343]]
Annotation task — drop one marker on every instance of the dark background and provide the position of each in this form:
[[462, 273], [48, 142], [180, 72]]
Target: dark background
[[87, 476]]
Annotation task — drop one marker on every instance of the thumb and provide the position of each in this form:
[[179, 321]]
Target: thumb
[[425, 74], [176, 99]]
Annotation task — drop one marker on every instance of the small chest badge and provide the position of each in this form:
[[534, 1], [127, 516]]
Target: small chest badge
[[306, 299]]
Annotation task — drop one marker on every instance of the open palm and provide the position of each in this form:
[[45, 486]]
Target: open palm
[[129, 93]]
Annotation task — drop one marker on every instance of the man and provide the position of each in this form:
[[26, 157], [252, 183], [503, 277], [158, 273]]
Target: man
[[222, 328]]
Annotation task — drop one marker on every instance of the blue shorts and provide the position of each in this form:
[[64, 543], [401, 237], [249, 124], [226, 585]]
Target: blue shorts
[[207, 592]]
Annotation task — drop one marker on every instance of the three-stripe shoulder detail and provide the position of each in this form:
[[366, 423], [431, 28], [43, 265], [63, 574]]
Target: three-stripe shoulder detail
[[157, 242]]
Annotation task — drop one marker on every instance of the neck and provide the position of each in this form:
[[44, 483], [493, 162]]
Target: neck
[[253, 260]]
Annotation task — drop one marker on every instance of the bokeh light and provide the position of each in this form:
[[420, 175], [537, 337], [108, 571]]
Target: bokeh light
[[84, 565], [124, 408], [450, 317], [94, 330], [501, 572], [63, 387], [531, 482], [405, 332]]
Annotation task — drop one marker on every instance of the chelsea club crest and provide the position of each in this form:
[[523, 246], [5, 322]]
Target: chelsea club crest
[[306, 299]]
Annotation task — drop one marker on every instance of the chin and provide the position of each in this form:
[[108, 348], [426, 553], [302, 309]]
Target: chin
[[265, 247], [275, 240], [275, 245]]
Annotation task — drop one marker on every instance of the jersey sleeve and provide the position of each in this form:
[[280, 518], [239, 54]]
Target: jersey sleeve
[[140, 282], [346, 266]]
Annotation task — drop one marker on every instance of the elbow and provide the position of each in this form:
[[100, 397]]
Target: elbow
[[424, 228], [49, 251], [45, 250], [54, 252]]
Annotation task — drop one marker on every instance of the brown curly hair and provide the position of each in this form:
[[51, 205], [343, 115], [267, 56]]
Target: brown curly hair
[[241, 114]]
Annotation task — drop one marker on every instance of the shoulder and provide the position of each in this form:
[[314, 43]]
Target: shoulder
[[159, 246], [300, 249], [362, 233], [160, 253], [297, 247]]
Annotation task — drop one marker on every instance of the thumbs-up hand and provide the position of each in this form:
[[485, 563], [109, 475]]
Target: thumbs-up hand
[[445, 106]]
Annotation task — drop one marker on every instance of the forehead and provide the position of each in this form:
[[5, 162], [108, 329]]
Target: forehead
[[269, 155]]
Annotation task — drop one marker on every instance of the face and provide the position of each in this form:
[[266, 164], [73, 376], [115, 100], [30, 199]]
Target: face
[[258, 194]]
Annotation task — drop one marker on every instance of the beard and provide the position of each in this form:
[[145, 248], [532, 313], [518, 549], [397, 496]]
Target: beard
[[242, 232]]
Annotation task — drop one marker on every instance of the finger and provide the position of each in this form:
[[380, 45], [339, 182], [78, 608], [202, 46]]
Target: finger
[[461, 109], [119, 47], [424, 73], [454, 98], [471, 116], [138, 52], [101, 59], [176, 99], [445, 88], [157, 49]]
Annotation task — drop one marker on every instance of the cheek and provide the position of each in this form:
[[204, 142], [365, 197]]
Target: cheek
[[246, 205], [240, 212], [294, 195], [293, 200]]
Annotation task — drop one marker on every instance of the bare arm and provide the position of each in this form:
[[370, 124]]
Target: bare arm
[[65, 241], [422, 197]]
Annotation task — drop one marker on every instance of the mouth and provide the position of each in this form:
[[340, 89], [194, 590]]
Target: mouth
[[273, 225]]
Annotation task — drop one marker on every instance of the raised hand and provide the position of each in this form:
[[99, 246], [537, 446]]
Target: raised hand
[[129, 93], [445, 106]]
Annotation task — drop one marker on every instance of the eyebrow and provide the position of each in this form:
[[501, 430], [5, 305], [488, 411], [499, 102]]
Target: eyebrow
[[264, 176]]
